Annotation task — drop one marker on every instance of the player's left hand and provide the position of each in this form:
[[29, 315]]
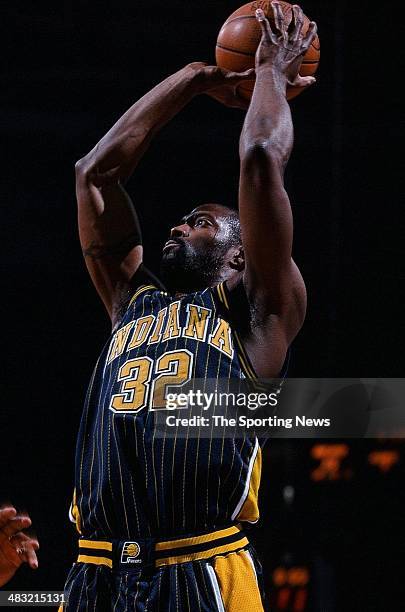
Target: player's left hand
[[15, 546], [222, 84]]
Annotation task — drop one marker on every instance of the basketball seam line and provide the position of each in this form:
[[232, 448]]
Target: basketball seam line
[[229, 20], [239, 17], [235, 51]]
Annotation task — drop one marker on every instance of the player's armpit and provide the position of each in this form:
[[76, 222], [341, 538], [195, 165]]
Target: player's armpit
[[142, 276], [264, 333], [288, 307]]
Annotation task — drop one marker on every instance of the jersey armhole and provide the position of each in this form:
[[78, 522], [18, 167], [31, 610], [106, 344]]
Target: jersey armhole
[[139, 292], [143, 280]]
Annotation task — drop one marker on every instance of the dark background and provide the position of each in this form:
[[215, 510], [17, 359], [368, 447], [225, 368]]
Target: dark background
[[69, 69]]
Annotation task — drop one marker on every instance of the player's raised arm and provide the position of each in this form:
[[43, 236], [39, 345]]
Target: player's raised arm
[[109, 230], [273, 282]]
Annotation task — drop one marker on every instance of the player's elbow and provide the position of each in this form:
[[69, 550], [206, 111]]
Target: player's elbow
[[86, 173], [82, 169], [261, 155], [261, 164]]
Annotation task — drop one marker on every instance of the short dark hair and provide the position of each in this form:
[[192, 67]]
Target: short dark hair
[[232, 217]]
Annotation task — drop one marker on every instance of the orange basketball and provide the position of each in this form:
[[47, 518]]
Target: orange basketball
[[239, 38]]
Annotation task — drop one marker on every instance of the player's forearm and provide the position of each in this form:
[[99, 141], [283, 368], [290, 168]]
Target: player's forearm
[[264, 206], [119, 151], [267, 132]]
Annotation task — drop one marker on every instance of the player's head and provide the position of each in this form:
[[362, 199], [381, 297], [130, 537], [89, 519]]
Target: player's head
[[204, 249]]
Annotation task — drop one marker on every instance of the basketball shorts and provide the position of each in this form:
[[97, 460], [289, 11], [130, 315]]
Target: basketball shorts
[[216, 571]]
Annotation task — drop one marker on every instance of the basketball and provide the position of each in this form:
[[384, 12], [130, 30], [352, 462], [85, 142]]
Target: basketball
[[240, 36]]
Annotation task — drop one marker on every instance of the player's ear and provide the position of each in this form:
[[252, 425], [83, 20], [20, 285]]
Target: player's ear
[[237, 261]]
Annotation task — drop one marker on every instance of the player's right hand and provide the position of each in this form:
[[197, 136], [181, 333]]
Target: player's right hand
[[15, 546], [221, 84]]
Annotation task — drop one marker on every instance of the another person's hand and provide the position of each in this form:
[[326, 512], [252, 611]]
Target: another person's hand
[[284, 50], [15, 547], [222, 84]]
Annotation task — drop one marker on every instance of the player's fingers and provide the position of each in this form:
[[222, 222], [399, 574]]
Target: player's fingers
[[248, 74], [288, 21], [298, 23], [35, 543], [234, 78], [303, 81], [31, 556], [267, 32], [279, 19], [309, 36], [15, 525], [6, 514], [25, 547], [31, 539]]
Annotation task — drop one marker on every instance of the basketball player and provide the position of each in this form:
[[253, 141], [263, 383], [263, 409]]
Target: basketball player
[[16, 547], [160, 519]]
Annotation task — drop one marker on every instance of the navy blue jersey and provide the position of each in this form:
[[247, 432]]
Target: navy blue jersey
[[130, 483]]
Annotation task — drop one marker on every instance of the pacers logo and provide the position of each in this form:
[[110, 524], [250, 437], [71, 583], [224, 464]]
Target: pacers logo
[[130, 553]]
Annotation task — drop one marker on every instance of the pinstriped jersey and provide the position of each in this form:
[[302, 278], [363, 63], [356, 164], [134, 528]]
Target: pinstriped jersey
[[130, 483]]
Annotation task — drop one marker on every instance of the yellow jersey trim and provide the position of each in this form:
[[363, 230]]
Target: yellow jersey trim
[[209, 537], [188, 548], [139, 291], [95, 560], [222, 295], [249, 511], [206, 554], [98, 545], [244, 359]]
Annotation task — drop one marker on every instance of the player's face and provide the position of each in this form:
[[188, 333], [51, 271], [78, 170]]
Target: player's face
[[196, 251]]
